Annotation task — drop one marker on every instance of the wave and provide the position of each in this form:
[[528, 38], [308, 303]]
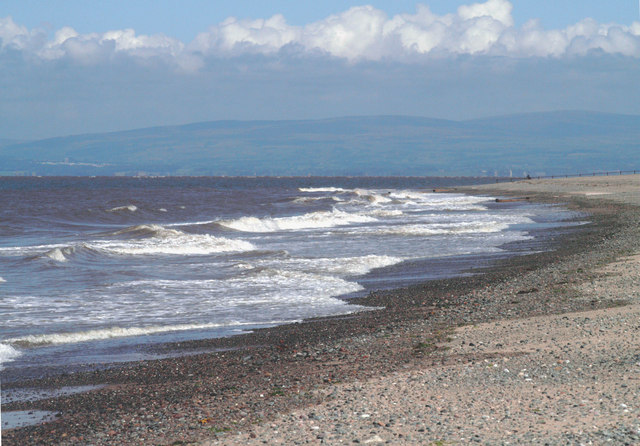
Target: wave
[[8, 354], [191, 223], [387, 213], [441, 202], [2, 280], [277, 285], [57, 253], [314, 220], [129, 207], [316, 199], [444, 229], [120, 332], [60, 254], [360, 265], [143, 240], [373, 197], [148, 230], [321, 189], [341, 266], [170, 241]]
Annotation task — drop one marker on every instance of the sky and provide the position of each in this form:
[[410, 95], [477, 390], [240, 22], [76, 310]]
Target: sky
[[83, 66]]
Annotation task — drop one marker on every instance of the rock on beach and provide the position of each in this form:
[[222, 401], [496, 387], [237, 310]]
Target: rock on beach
[[541, 349]]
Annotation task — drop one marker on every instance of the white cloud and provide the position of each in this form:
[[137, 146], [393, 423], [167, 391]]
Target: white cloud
[[233, 36], [499, 10], [17, 37], [362, 33], [11, 33], [88, 48], [353, 34]]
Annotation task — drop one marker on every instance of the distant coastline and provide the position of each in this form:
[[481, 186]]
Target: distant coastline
[[535, 144]]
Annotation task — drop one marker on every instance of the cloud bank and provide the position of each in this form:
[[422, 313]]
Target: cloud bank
[[359, 34], [473, 62]]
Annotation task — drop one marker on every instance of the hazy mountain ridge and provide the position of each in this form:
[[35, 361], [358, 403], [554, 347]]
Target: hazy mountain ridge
[[536, 143]]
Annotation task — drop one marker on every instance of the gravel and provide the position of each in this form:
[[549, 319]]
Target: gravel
[[540, 349]]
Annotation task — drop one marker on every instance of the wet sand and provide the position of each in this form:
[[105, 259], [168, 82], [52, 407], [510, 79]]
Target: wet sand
[[539, 348]]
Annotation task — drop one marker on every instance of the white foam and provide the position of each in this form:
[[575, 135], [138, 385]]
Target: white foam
[[171, 241], [454, 202], [312, 199], [321, 189], [30, 250], [129, 207], [364, 264], [2, 280], [373, 197], [340, 266], [256, 295], [60, 254], [8, 354], [157, 240], [387, 212], [150, 229], [120, 332], [295, 286], [191, 223], [314, 220], [443, 229]]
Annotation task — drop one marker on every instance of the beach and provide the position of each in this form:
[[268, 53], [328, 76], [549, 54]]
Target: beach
[[536, 349]]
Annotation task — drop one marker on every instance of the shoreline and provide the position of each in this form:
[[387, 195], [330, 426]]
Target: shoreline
[[262, 376]]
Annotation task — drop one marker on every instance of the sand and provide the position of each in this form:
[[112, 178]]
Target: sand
[[617, 188], [562, 379], [571, 378], [541, 349]]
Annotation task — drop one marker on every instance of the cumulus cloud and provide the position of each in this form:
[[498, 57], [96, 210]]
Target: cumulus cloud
[[366, 33], [361, 33], [87, 48]]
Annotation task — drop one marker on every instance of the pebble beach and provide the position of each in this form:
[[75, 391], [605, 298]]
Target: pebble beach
[[537, 349]]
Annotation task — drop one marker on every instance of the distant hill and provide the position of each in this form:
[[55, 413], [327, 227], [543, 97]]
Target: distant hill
[[535, 143]]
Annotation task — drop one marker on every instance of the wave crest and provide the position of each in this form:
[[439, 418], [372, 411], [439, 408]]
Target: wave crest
[[8, 354], [314, 220], [444, 229], [129, 208], [148, 230], [114, 332], [321, 189], [171, 241], [60, 254]]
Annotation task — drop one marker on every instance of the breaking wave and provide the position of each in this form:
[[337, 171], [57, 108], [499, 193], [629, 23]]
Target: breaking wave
[[315, 199], [321, 189], [148, 230], [8, 354], [60, 254], [444, 229], [161, 240], [373, 197], [129, 207], [118, 332], [341, 266], [314, 220], [387, 213]]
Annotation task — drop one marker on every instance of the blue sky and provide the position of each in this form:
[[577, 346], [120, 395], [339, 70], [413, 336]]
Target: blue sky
[[79, 66]]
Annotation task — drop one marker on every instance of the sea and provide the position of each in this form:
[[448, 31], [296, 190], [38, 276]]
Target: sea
[[100, 270]]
